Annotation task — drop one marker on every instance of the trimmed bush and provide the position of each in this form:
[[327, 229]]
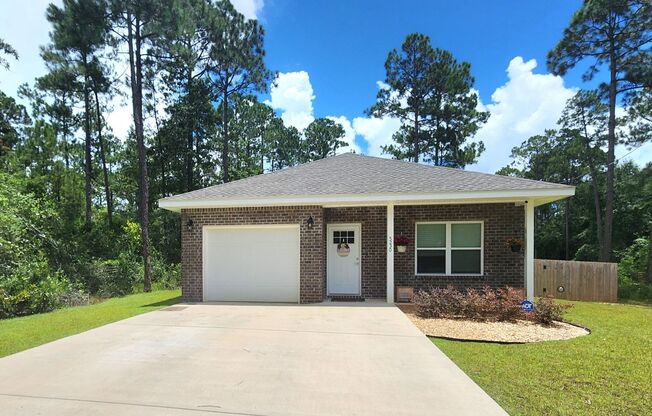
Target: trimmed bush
[[438, 302], [547, 311], [502, 305], [487, 304]]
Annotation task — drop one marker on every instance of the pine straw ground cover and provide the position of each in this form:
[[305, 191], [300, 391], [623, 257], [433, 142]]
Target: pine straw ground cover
[[605, 373]]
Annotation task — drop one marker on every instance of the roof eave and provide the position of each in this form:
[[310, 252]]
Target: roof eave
[[536, 196]]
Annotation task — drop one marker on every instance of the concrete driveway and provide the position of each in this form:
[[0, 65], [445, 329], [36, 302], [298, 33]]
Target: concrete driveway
[[237, 359]]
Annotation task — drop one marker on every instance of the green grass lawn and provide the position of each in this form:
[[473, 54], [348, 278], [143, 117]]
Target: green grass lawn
[[19, 334], [608, 372]]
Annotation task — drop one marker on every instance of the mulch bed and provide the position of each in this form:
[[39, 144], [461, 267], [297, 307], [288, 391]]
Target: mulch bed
[[519, 332]]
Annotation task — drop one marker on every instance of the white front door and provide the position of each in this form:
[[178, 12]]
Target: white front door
[[343, 259]]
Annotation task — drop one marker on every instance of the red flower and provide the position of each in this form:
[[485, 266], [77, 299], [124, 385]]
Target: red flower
[[401, 240]]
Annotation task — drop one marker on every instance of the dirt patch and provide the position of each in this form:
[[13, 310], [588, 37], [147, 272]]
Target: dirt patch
[[508, 332]]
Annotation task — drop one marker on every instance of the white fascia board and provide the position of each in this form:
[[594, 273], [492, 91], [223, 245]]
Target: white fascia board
[[539, 196]]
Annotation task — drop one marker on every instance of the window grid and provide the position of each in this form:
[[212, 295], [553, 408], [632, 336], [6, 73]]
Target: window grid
[[449, 248], [343, 237]]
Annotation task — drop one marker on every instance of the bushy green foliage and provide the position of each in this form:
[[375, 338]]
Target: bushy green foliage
[[633, 261], [31, 289], [46, 263], [29, 281], [631, 272]]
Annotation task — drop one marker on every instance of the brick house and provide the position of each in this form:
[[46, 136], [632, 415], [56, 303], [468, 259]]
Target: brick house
[[327, 228]]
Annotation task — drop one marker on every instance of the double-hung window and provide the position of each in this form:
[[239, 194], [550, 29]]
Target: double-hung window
[[448, 248]]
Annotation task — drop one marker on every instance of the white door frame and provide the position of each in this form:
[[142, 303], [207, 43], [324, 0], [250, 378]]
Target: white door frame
[[224, 227], [359, 239]]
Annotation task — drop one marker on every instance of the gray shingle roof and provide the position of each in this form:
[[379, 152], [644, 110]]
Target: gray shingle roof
[[353, 174]]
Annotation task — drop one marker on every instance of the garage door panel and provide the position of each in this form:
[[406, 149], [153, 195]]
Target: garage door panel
[[256, 264]]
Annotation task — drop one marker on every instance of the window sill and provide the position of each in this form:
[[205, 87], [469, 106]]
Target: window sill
[[449, 275]]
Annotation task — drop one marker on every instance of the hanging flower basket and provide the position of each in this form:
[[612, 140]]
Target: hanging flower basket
[[401, 242], [515, 245]]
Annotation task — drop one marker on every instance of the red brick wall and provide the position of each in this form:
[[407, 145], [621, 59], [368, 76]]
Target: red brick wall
[[501, 266], [374, 234], [311, 248]]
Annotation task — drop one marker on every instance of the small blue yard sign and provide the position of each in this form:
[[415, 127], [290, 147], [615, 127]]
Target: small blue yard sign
[[527, 306]]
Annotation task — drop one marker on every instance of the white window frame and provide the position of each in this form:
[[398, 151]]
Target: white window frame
[[448, 248]]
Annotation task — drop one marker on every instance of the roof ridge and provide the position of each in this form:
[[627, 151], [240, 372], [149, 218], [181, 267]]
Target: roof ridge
[[463, 171], [249, 178]]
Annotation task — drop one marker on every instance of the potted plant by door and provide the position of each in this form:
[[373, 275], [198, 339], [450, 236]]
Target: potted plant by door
[[515, 244], [401, 242]]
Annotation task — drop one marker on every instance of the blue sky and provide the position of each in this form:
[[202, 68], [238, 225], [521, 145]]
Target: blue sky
[[330, 57], [344, 46]]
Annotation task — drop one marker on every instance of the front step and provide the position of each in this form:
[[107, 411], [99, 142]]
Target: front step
[[346, 298]]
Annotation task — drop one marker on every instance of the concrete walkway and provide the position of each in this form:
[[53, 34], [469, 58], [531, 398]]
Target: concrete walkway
[[236, 359]]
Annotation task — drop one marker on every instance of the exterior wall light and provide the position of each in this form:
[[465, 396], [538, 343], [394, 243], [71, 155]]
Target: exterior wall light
[[190, 224], [310, 222]]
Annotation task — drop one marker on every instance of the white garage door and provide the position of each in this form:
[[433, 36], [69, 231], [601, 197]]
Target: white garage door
[[251, 264]]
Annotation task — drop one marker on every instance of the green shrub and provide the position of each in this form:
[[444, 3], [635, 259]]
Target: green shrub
[[116, 277], [633, 261], [31, 288], [631, 272], [165, 275], [633, 291]]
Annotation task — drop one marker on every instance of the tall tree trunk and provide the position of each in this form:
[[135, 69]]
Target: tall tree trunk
[[567, 229], [416, 137], [66, 151], [190, 151], [161, 153], [100, 138], [594, 184], [597, 206], [135, 67], [161, 156], [262, 153], [88, 166], [225, 139], [605, 254]]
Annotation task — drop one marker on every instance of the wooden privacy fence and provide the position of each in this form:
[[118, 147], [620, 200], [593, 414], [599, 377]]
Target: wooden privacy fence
[[576, 280]]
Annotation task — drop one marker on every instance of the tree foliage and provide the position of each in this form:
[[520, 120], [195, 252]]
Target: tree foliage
[[431, 93], [6, 49], [615, 34], [322, 139]]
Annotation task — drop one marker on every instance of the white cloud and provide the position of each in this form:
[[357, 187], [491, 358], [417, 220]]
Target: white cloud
[[376, 132], [292, 94], [349, 134], [249, 8], [524, 106]]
